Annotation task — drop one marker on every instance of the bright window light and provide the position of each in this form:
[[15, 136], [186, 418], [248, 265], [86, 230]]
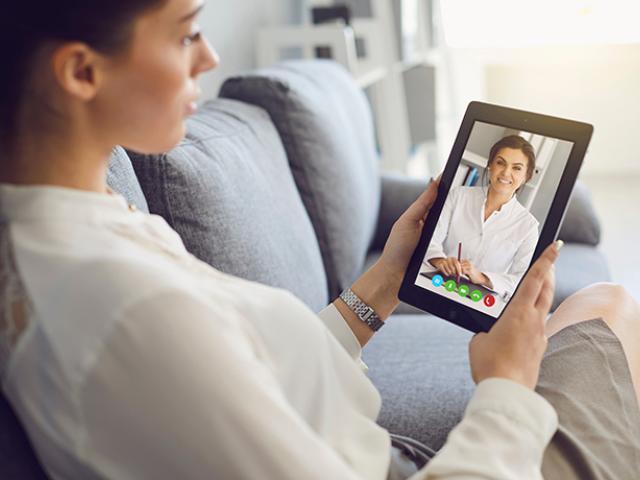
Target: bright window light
[[523, 23]]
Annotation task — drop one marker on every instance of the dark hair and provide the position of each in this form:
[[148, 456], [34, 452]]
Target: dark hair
[[518, 143], [28, 26]]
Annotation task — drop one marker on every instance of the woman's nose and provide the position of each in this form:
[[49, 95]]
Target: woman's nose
[[207, 59]]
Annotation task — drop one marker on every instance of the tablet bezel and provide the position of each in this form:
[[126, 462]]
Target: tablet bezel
[[578, 133]]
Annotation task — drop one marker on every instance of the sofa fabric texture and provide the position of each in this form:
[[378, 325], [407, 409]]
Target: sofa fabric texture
[[228, 191], [122, 179], [420, 365], [578, 266], [580, 224], [326, 127], [397, 193]]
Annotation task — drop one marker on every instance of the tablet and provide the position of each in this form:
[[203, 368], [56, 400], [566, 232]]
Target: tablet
[[501, 201]]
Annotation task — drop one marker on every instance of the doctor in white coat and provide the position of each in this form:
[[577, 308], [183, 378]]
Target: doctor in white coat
[[498, 235]]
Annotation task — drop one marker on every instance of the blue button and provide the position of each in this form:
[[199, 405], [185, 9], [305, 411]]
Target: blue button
[[437, 280]]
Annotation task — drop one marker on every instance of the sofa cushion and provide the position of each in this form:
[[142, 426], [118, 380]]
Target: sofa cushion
[[397, 193], [228, 191], [122, 179], [578, 266], [326, 127], [420, 365], [580, 224]]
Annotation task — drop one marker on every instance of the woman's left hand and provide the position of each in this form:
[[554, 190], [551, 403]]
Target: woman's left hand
[[378, 287], [405, 234], [470, 270]]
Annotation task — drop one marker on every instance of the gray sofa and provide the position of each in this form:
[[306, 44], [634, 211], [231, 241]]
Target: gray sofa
[[277, 181]]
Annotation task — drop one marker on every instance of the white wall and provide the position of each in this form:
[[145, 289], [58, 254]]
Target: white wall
[[595, 84], [231, 26]]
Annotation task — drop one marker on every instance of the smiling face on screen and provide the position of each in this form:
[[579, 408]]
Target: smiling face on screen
[[508, 171]]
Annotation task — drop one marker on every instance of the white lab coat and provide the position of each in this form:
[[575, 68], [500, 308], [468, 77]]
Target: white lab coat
[[500, 247]]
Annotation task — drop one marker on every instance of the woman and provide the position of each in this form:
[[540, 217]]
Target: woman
[[125, 357], [497, 234]]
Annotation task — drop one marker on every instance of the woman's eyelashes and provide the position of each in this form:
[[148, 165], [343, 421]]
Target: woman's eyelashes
[[191, 39], [516, 168]]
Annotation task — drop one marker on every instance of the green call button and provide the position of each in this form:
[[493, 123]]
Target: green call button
[[476, 295], [450, 285]]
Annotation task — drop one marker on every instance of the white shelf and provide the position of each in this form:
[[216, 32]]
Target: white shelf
[[403, 124], [473, 158], [431, 57], [369, 77]]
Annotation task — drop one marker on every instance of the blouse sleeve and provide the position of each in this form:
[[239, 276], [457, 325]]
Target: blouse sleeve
[[338, 326], [504, 432], [174, 394], [436, 247], [505, 283]]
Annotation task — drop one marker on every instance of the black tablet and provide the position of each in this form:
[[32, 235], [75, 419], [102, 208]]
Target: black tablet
[[501, 201]]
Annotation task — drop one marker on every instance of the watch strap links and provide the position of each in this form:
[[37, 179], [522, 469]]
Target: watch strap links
[[362, 310]]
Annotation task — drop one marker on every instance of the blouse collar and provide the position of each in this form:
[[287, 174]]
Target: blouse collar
[[46, 202], [507, 207]]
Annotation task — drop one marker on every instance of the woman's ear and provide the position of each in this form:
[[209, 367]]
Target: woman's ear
[[78, 70]]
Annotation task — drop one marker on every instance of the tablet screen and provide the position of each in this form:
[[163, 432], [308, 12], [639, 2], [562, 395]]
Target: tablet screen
[[493, 215]]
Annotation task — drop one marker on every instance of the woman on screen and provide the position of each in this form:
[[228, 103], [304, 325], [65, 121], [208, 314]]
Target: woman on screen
[[495, 234]]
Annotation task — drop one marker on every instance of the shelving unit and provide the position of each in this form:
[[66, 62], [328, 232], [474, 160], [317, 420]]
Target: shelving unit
[[473, 159], [399, 72]]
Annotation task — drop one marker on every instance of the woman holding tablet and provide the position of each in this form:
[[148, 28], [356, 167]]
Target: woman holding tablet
[[127, 358], [497, 234]]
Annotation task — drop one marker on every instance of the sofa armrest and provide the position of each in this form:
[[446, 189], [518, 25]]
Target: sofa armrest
[[397, 192], [581, 224]]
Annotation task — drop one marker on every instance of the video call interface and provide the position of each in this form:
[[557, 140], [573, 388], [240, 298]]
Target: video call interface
[[493, 215]]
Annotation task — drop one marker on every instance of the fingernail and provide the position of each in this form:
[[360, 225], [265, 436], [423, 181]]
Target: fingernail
[[559, 244]]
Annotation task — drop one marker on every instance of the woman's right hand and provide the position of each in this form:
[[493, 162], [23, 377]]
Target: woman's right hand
[[450, 266], [514, 346]]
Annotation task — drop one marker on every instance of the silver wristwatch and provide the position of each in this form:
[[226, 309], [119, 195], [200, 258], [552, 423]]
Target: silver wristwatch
[[362, 310]]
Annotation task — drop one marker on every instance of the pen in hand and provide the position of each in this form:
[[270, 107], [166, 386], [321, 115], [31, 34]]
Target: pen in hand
[[459, 257]]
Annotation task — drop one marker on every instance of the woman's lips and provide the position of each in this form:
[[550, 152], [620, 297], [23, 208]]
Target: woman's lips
[[191, 108]]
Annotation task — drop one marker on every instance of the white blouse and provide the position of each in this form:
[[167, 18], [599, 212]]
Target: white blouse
[[501, 246], [127, 358]]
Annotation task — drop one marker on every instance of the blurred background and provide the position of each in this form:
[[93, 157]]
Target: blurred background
[[421, 61]]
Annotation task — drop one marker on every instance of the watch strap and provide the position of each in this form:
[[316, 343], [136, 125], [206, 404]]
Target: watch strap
[[362, 310]]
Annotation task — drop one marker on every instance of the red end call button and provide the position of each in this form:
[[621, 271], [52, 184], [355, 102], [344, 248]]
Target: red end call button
[[489, 300]]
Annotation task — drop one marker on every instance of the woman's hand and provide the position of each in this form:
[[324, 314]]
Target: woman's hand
[[514, 346], [378, 287], [405, 234], [450, 266], [475, 275]]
